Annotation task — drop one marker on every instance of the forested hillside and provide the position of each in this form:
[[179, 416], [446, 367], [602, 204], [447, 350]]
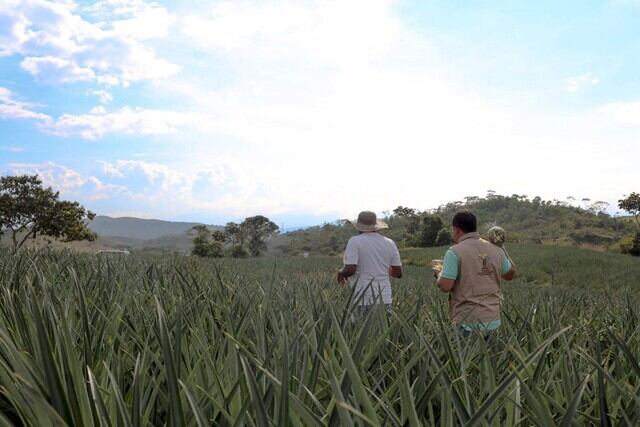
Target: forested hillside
[[526, 220]]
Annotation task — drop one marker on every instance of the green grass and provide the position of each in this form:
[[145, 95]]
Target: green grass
[[549, 265], [145, 340]]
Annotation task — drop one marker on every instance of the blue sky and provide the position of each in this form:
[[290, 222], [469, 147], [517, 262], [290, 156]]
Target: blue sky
[[307, 111]]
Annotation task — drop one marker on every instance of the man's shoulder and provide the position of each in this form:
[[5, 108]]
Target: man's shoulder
[[354, 240], [475, 243], [388, 239], [490, 247], [372, 238]]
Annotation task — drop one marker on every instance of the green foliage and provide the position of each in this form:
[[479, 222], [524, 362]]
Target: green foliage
[[526, 220], [207, 243], [243, 342], [238, 251], [444, 238], [258, 228], [210, 249], [235, 233], [631, 204], [403, 211], [428, 233], [253, 231], [27, 210], [631, 245]]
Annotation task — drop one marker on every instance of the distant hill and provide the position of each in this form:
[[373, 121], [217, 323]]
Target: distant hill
[[137, 228], [526, 220], [129, 233], [535, 220]]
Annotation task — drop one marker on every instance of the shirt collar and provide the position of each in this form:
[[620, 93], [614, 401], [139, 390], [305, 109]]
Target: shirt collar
[[474, 235]]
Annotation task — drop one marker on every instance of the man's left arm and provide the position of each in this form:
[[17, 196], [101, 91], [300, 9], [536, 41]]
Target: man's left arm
[[508, 268], [395, 270]]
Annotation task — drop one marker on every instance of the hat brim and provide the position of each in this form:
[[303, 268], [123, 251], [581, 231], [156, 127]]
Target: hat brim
[[379, 225]]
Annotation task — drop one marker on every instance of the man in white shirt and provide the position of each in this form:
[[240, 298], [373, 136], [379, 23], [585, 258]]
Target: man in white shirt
[[371, 259]]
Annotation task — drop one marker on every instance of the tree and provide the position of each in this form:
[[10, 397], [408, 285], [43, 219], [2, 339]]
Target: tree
[[431, 226], [239, 252], [599, 207], [635, 247], [632, 205], [27, 210], [469, 200], [537, 201], [218, 236], [444, 237], [404, 212], [258, 228], [205, 244], [235, 234]]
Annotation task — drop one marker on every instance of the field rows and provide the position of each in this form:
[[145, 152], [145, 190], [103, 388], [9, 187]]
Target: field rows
[[179, 341]]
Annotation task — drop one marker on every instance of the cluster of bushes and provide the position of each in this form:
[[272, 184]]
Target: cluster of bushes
[[236, 240], [422, 230], [631, 245]]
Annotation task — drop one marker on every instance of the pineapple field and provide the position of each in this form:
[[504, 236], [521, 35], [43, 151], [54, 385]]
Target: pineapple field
[[145, 340]]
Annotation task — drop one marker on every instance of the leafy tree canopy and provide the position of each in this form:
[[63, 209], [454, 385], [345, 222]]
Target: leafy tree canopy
[[258, 229], [28, 210], [207, 243], [251, 233], [631, 204]]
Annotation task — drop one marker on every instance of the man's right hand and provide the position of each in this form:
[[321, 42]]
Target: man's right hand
[[341, 279], [437, 269], [345, 272]]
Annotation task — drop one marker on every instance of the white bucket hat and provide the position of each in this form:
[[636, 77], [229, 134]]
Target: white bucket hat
[[368, 221]]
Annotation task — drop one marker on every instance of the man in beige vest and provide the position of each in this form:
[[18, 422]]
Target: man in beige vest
[[471, 273]]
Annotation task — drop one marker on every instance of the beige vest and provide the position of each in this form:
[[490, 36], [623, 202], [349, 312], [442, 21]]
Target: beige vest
[[476, 296]]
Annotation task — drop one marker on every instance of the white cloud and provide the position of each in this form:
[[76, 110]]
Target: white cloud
[[161, 178], [334, 94], [138, 19], [69, 182], [298, 33], [104, 96], [99, 122], [50, 69], [577, 83], [131, 121], [332, 107], [10, 108], [218, 187], [60, 44]]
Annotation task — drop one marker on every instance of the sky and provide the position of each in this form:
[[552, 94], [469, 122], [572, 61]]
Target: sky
[[310, 111]]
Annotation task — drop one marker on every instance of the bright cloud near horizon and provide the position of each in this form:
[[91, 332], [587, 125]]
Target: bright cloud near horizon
[[307, 111]]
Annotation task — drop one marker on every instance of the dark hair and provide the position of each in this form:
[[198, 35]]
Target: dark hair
[[465, 221]]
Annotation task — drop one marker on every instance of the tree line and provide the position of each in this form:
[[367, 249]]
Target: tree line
[[527, 220], [238, 240], [29, 210]]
